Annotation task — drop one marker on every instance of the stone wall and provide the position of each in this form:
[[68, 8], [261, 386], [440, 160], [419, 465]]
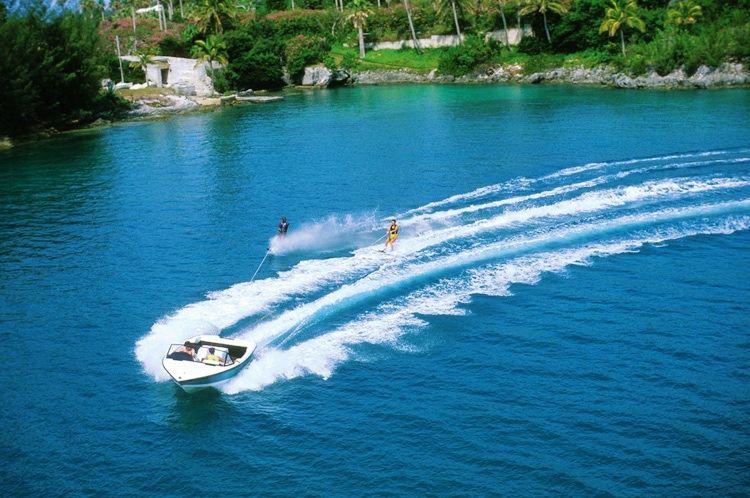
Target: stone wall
[[179, 74], [514, 38]]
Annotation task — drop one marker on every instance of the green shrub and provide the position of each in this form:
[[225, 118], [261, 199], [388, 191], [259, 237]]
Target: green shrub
[[579, 28], [462, 59], [330, 63], [221, 82], [350, 62], [637, 65], [256, 70], [542, 63], [302, 22], [665, 53], [255, 57], [534, 45], [392, 24], [130, 74], [302, 51], [174, 47], [110, 103], [190, 34]]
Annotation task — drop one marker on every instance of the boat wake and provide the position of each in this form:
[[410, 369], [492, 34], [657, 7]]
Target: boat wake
[[343, 296]]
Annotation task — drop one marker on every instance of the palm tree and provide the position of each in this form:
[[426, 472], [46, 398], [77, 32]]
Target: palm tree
[[542, 6], [445, 3], [683, 13], [360, 12], [411, 27], [622, 13], [519, 5], [134, 5], [505, 23], [213, 48], [87, 7], [211, 15], [144, 59], [101, 7]]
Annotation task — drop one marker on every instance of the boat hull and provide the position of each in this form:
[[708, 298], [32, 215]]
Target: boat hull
[[195, 373]]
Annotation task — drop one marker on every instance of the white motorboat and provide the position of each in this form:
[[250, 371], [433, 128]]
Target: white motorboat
[[206, 361]]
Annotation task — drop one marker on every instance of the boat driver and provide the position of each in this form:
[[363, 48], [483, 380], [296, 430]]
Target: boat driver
[[212, 355]]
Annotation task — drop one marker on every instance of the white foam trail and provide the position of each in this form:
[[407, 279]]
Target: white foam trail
[[325, 235], [586, 203], [395, 273], [228, 307], [390, 321], [520, 184], [555, 192], [596, 166], [514, 185], [314, 288]]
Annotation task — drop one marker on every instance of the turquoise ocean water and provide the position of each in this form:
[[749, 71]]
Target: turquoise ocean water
[[565, 313]]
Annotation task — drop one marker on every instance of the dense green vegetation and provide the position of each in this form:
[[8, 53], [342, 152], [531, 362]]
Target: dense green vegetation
[[55, 58], [50, 70]]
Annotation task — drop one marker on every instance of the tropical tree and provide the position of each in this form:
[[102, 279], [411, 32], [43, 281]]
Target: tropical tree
[[88, 7], [683, 13], [144, 59], [622, 13], [455, 5], [501, 3], [542, 6], [411, 27], [360, 12], [50, 70], [213, 48], [519, 4], [211, 15]]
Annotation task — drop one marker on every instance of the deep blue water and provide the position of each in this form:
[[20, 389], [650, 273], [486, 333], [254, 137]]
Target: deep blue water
[[565, 313]]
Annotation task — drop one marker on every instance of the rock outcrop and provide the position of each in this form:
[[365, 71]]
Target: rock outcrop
[[728, 75], [322, 77]]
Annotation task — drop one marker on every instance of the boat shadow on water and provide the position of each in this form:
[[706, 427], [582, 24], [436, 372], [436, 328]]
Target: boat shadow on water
[[195, 410]]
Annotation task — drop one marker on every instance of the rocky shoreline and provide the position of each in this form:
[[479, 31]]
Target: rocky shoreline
[[158, 105], [151, 106], [728, 75]]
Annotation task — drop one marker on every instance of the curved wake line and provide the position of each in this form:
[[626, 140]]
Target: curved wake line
[[490, 239], [597, 166], [390, 275], [595, 200], [521, 184], [391, 320]]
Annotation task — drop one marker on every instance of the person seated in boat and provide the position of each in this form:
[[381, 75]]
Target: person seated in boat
[[214, 355], [183, 353]]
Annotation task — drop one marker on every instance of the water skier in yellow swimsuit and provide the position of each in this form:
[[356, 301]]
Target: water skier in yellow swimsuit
[[391, 235]]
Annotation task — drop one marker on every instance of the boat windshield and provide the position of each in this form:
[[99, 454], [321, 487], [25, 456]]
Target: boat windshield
[[181, 352], [207, 354]]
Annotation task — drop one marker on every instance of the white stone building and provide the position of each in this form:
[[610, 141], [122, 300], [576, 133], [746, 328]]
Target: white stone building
[[178, 73]]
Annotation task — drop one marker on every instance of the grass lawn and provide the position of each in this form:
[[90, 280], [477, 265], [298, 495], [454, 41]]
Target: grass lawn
[[143, 92], [406, 58]]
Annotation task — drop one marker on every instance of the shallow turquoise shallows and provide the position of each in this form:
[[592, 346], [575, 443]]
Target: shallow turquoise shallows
[[565, 312]]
